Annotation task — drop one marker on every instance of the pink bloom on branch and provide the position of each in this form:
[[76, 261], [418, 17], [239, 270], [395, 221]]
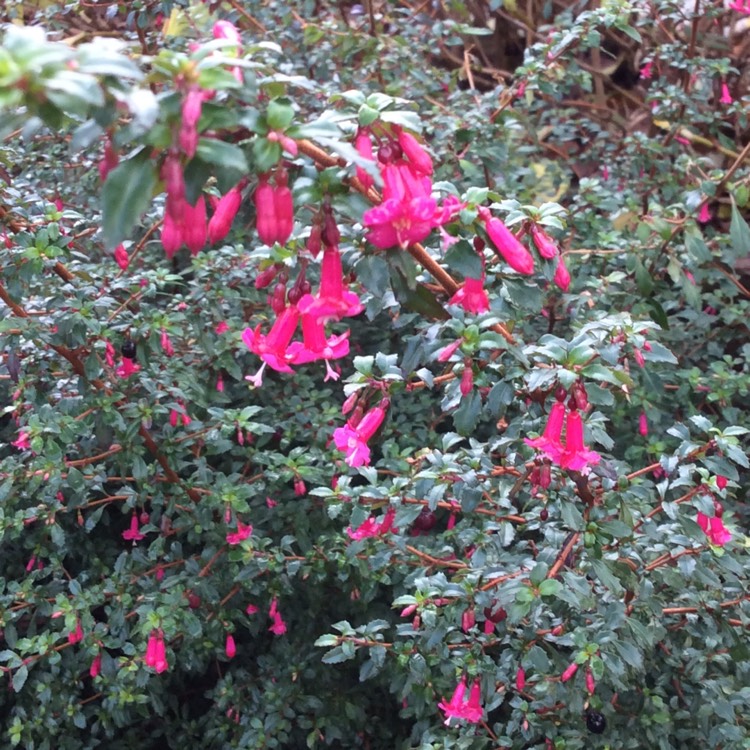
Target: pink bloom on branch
[[127, 368], [472, 296], [721, 482], [399, 223], [251, 609], [156, 652], [509, 246], [467, 380], [550, 442], [22, 443], [230, 648], [166, 344], [109, 354], [726, 97], [576, 455], [226, 210], [133, 534], [643, 424], [172, 235], [448, 351], [239, 536], [96, 665], [226, 30], [415, 152], [279, 626], [333, 300], [714, 529], [704, 215], [569, 672], [273, 348], [648, 70], [221, 327], [544, 243], [76, 636], [195, 226], [191, 113], [363, 145], [371, 527], [353, 440], [520, 679], [121, 257], [590, 682], [457, 708], [562, 276]]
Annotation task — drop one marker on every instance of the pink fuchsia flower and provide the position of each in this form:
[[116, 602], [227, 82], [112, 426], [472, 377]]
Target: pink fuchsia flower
[[544, 243], [363, 145], [76, 636], [121, 257], [127, 368], [226, 210], [239, 536], [278, 626], [576, 455], [704, 215], [590, 682], [399, 223], [333, 300], [648, 70], [562, 276], [508, 246], [273, 348], [726, 97], [133, 534], [472, 296], [721, 482], [251, 609], [520, 679], [371, 527], [230, 648], [569, 672], [414, 151], [109, 354], [171, 235], [550, 442], [179, 415], [643, 424], [194, 225], [109, 161], [467, 380], [468, 619], [174, 182], [274, 210], [156, 652], [22, 443], [316, 346], [352, 440], [448, 351], [714, 529], [457, 708], [221, 327], [741, 6], [227, 30], [191, 113], [96, 665], [166, 344]]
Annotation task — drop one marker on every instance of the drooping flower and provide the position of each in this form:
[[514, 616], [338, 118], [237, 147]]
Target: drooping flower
[[166, 344], [171, 235], [590, 682], [648, 70], [22, 443], [550, 442], [109, 161], [226, 210], [415, 152], [333, 300], [191, 112], [643, 424], [721, 481], [576, 455], [704, 215], [726, 97], [562, 276], [570, 670], [127, 368], [242, 533], [457, 708], [544, 243], [76, 636], [467, 380], [714, 529], [273, 348], [194, 225], [278, 626], [472, 296], [372, 527], [179, 415], [274, 210], [230, 648], [363, 145], [133, 534], [448, 351], [156, 652], [121, 257], [508, 246], [520, 679], [109, 354], [352, 440], [96, 665]]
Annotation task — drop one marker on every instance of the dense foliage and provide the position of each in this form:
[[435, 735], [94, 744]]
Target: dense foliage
[[374, 376]]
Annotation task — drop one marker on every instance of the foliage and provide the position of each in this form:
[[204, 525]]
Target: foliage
[[151, 497]]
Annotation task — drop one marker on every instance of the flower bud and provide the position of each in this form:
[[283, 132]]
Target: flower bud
[[467, 380], [363, 144], [562, 276], [509, 247], [414, 151], [265, 212], [544, 243], [171, 235], [590, 683], [226, 210], [569, 672], [195, 227], [520, 679]]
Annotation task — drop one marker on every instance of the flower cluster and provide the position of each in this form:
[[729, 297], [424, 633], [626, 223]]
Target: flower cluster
[[459, 707], [352, 438]]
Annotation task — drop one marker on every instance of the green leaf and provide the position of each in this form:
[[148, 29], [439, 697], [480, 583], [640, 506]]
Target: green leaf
[[372, 271], [462, 257], [125, 196], [467, 415], [19, 678], [222, 154], [280, 114], [739, 233]]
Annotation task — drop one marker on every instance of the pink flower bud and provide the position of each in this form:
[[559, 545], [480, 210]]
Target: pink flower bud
[[171, 236], [448, 351], [220, 383], [284, 214], [414, 151], [590, 684], [509, 247], [643, 424], [363, 144], [166, 344], [350, 402], [704, 215], [467, 380], [96, 665], [408, 611], [299, 487], [226, 210], [721, 482], [638, 356], [121, 257], [230, 648], [265, 211], [76, 636], [195, 227], [109, 161], [520, 679], [468, 619], [562, 276], [174, 181], [569, 672], [544, 243], [226, 30], [191, 113]]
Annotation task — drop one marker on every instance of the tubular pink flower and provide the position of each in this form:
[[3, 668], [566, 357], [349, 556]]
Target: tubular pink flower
[[195, 227], [265, 210], [166, 344], [726, 97], [448, 351], [472, 296], [353, 440], [509, 247], [127, 368], [470, 710], [226, 210], [133, 534], [569, 672], [96, 665], [273, 348], [315, 345], [230, 648], [227, 30], [415, 152], [714, 529], [544, 243], [520, 679], [704, 215], [279, 626], [76, 636], [467, 380], [22, 443], [363, 145], [576, 456], [239, 536], [550, 442], [121, 257], [174, 181], [643, 424], [109, 354], [171, 235], [156, 652], [191, 113], [371, 527], [562, 276], [284, 212], [333, 300]]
